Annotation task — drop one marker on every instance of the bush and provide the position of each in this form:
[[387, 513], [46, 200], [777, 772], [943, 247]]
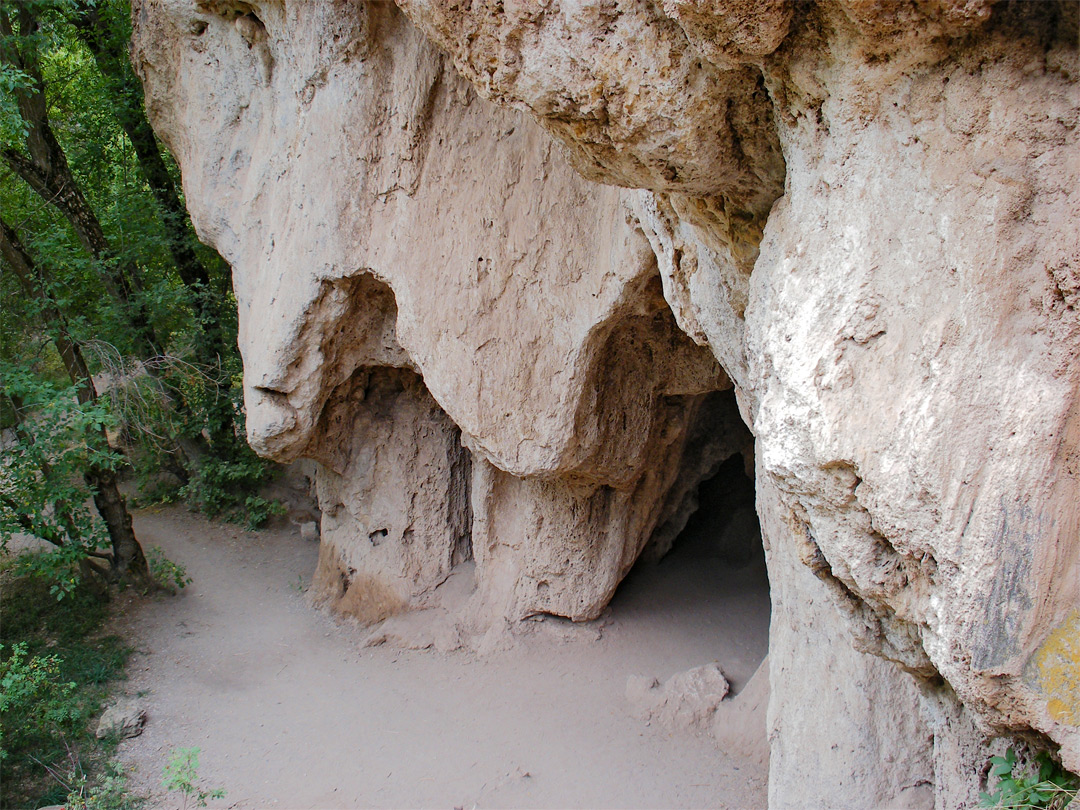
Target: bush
[[55, 669], [35, 704], [165, 572], [110, 792], [221, 488]]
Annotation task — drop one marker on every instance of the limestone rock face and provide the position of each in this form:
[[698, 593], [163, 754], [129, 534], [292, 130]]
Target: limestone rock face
[[622, 87], [393, 489], [862, 215], [525, 304], [924, 448]]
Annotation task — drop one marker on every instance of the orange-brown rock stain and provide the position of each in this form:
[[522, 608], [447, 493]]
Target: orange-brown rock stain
[[339, 587]]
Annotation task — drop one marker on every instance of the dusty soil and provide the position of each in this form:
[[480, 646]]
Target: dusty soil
[[290, 709]]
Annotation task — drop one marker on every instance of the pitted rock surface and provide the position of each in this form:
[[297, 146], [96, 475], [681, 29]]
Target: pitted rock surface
[[567, 231]]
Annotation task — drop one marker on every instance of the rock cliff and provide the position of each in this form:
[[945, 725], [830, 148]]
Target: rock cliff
[[520, 276]]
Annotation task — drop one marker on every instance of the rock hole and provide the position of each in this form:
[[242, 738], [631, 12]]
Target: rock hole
[[704, 596]]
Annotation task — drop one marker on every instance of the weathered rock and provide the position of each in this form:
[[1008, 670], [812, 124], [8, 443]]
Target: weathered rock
[[687, 700], [122, 719], [309, 530], [571, 321], [916, 402], [739, 724], [861, 214], [621, 86], [837, 717], [393, 485]]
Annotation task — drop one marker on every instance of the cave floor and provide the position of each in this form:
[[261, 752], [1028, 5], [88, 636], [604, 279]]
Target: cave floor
[[290, 709]]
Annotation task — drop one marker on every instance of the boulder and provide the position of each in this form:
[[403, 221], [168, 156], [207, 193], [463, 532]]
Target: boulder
[[122, 719], [686, 700]]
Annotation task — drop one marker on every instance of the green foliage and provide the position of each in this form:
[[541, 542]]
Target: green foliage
[[258, 510], [109, 792], [175, 407], [34, 702], [165, 571], [81, 110], [41, 491], [55, 669], [171, 407], [181, 775], [1049, 787], [225, 488], [13, 129]]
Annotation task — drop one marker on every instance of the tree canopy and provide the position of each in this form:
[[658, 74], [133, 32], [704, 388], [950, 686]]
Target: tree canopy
[[118, 329]]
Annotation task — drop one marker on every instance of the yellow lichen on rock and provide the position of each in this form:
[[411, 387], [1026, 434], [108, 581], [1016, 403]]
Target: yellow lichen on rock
[[1055, 671]]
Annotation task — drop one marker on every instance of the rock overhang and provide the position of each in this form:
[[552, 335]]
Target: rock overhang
[[861, 209]]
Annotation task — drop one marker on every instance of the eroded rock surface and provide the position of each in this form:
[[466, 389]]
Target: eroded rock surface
[[393, 488], [686, 700], [549, 347], [860, 214]]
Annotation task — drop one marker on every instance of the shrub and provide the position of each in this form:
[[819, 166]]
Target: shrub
[[165, 571], [55, 671], [221, 488], [1050, 787], [35, 704], [110, 792], [181, 776]]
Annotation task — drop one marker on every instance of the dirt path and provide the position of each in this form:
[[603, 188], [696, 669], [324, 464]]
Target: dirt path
[[291, 710]]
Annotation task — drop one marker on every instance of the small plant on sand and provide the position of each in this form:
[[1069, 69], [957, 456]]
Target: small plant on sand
[[109, 793], [181, 776], [34, 700], [165, 572], [1050, 787]]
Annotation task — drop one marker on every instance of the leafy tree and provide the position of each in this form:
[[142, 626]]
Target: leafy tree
[[91, 204], [31, 464], [105, 30], [43, 163]]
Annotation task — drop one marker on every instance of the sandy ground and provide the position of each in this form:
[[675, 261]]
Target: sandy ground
[[290, 709]]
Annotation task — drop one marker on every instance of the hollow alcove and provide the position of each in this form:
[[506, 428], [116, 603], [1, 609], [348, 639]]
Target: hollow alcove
[[724, 528], [700, 589]]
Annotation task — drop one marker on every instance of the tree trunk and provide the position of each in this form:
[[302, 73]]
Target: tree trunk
[[128, 562]]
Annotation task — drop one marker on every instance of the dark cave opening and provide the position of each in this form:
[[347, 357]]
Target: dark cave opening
[[705, 594], [725, 528]]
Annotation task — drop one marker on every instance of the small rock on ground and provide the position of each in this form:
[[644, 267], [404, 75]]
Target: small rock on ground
[[124, 718]]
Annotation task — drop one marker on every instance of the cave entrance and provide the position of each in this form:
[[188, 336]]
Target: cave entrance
[[724, 530], [704, 596]]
